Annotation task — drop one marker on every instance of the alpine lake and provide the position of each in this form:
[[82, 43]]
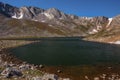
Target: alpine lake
[[75, 57]]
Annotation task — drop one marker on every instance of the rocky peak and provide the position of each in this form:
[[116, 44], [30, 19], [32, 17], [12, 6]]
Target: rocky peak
[[7, 9], [115, 22], [25, 11], [28, 13], [34, 13], [52, 10], [36, 10], [100, 19], [73, 16], [55, 13], [58, 18]]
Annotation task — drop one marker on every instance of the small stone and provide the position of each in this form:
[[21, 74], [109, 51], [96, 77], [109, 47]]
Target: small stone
[[36, 78], [24, 62], [41, 66], [104, 74], [109, 67], [15, 78], [66, 79], [36, 66], [59, 71], [23, 76], [86, 77], [96, 78]]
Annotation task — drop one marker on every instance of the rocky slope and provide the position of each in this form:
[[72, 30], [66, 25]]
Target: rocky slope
[[36, 22], [111, 33]]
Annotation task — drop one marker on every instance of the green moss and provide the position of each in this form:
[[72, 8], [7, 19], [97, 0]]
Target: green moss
[[33, 72]]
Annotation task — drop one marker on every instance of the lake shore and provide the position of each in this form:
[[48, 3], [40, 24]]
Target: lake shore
[[11, 64], [73, 72], [79, 72], [6, 58]]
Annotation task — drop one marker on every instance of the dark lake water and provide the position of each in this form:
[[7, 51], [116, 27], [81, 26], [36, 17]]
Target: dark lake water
[[70, 52]]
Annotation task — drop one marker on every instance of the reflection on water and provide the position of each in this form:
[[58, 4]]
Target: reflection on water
[[68, 52]]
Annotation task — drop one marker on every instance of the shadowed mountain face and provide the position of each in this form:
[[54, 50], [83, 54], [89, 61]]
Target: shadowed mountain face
[[36, 22]]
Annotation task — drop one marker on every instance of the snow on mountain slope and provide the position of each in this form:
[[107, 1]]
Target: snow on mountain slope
[[68, 25], [110, 20]]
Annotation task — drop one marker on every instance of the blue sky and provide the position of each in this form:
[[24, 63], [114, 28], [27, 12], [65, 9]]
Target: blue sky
[[88, 8]]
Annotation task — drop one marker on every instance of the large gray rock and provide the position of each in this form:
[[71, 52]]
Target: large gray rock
[[9, 72]]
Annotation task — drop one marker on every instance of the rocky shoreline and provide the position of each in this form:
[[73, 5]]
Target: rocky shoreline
[[12, 68]]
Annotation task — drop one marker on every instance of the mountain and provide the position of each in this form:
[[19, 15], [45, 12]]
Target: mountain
[[36, 22]]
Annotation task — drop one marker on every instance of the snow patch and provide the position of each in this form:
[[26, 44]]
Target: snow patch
[[14, 16], [88, 18], [50, 16], [110, 20], [20, 17], [117, 42], [93, 31], [99, 27]]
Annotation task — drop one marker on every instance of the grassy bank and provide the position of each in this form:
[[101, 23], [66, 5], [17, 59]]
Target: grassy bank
[[13, 43]]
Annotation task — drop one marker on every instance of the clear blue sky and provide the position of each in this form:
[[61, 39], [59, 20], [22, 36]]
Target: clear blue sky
[[88, 8]]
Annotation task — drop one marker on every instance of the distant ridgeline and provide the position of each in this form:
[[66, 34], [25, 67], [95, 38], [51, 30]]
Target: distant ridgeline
[[34, 22]]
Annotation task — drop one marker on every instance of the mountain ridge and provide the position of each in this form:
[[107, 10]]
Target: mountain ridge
[[65, 24]]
